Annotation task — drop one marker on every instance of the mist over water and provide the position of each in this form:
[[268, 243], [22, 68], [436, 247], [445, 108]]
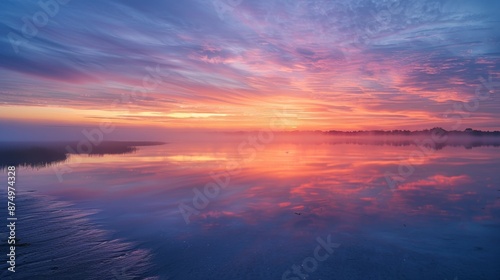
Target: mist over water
[[46, 153]]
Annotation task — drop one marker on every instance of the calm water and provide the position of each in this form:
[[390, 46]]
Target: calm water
[[118, 216]]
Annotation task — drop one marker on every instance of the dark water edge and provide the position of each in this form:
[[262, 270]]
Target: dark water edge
[[43, 154], [57, 241]]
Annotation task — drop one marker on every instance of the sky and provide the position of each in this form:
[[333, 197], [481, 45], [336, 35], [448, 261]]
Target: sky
[[237, 64]]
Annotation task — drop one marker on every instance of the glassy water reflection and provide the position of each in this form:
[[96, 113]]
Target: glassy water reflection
[[442, 222]]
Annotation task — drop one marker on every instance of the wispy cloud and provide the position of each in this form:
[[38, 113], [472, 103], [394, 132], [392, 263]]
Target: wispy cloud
[[337, 63]]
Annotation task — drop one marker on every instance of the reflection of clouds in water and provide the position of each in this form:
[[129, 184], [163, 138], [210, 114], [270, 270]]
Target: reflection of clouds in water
[[291, 193]]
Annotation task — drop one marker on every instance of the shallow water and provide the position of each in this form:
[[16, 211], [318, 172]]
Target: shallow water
[[118, 216]]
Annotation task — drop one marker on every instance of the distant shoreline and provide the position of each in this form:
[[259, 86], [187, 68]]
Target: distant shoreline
[[395, 132]]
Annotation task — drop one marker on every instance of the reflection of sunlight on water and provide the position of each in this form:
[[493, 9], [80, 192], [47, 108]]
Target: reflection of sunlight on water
[[192, 161], [189, 158]]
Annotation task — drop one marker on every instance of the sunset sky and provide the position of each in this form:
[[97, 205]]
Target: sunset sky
[[236, 64]]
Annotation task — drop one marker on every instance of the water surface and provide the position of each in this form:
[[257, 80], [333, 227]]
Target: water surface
[[119, 216]]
